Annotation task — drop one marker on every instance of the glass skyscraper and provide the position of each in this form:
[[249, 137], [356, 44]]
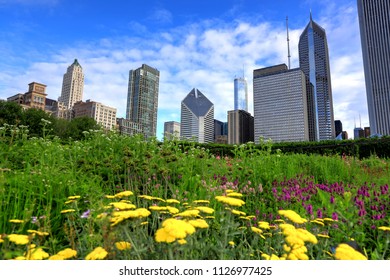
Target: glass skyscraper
[[374, 22], [240, 94], [142, 99], [314, 62]]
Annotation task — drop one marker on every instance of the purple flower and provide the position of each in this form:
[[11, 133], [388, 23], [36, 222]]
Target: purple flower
[[85, 214], [309, 209], [335, 216], [34, 219], [332, 199], [319, 213]]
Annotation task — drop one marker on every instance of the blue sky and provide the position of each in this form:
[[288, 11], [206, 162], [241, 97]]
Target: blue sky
[[202, 44]]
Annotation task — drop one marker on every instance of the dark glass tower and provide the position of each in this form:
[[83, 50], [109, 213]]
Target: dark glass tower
[[374, 21], [314, 62], [142, 99]]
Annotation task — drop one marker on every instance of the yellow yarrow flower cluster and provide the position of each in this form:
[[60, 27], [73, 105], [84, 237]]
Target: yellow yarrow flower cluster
[[234, 194], [64, 254], [384, 228], [19, 239], [292, 216], [16, 221], [67, 211], [123, 194], [97, 254], [188, 213], [40, 233], [35, 253], [272, 257], [123, 205], [199, 223], [171, 200], [148, 197], [173, 229], [232, 201], [205, 209], [346, 252], [122, 245], [120, 216]]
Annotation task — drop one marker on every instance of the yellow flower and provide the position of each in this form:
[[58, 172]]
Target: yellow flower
[[199, 223], [144, 223], [323, 235], [256, 230], [97, 254], [40, 233], [201, 201], [329, 220], [205, 209], [35, 253], [157, 208], [272, 257], [188, 213], [182, 241], [118, 217], [123, 205], [67, 211], [172, 210], [230, 200], [64, 254], [317, 222], [16, 221], [73, 197], [19, 239], [122, 245], [293, 216], [384, 228], [279, 221], [171, 200], [148, 197], [236, 212], [231, 243], [123, 194], [234, 194], [110, 196], [264, 225], [69, 201], [1, 240], [173, 229], [102, 215], [346, 252]]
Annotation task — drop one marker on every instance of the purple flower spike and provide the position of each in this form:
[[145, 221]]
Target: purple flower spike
[[85, 214]]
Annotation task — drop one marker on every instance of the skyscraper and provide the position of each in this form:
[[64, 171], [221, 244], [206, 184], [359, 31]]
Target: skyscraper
[[142, 98], [197, 117], [240, 127], [240, 94], [281, 104], [314, 62], [171, 130], [374, 22], [72, 85]]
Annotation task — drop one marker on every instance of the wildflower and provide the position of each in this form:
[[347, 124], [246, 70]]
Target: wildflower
[[230, 200], [102, 215], [97, 254], [85, 214], [35, 253], [118, 217], [19, 239], [110, 196], [144, 223], [346, 252], [263, 225], [67, 211], [231, 243], [123, 194], [171, 200], [234, 194], [123, 205], [293, 216], [148, 197], [173, 229], [122, 245], [272, 257], [188, 213], [34, 219], [236, 212], [182, 241], [279, 221], [16, 221], [40, 233], [199, 223], [384, 228], [201, 201], [205, 209], [73, 197], [64, 254], [323, 235], [256, 230], [317, 222], [157, 208]]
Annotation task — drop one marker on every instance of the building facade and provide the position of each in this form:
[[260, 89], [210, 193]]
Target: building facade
[[72, 85], [142, 98], [240, 94], [281, 104], [240, 127], [127, 127], [374, 22], [197, 117], [102, 114], [171, 130], [314, 62]]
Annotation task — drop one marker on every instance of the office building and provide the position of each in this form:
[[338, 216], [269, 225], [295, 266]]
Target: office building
[[240, 94], [102, 114], [338, 127], [72, 85], [127, 127], [374, 22], [281, 104], [171, 130], [314, 62], [197, 117], [240, 127], [142, 98]]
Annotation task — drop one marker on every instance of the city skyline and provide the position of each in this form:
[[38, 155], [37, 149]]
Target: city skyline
[[202, 45]]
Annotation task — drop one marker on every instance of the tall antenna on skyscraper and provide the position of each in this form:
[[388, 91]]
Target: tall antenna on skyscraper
[[288, 44]]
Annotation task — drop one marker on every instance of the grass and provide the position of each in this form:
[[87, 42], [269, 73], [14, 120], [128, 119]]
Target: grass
[[40, 177]]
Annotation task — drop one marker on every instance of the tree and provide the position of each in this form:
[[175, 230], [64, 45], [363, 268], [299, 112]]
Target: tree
[[74, 129], [39, 122], [10, 113]]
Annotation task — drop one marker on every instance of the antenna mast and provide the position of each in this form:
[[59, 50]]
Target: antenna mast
[[288, 44]]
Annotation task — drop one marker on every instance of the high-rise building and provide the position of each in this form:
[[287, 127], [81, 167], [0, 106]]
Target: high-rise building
[[142, 98], [374, 22], [314, 62], [171, 130], [338, 127], [240, 127], [281, 104], [102, 114], [197, 117], [72, 85], [240, 94]]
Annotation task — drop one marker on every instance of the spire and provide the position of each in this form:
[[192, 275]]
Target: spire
[[311, 18], [76, 63], [288, 44]]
